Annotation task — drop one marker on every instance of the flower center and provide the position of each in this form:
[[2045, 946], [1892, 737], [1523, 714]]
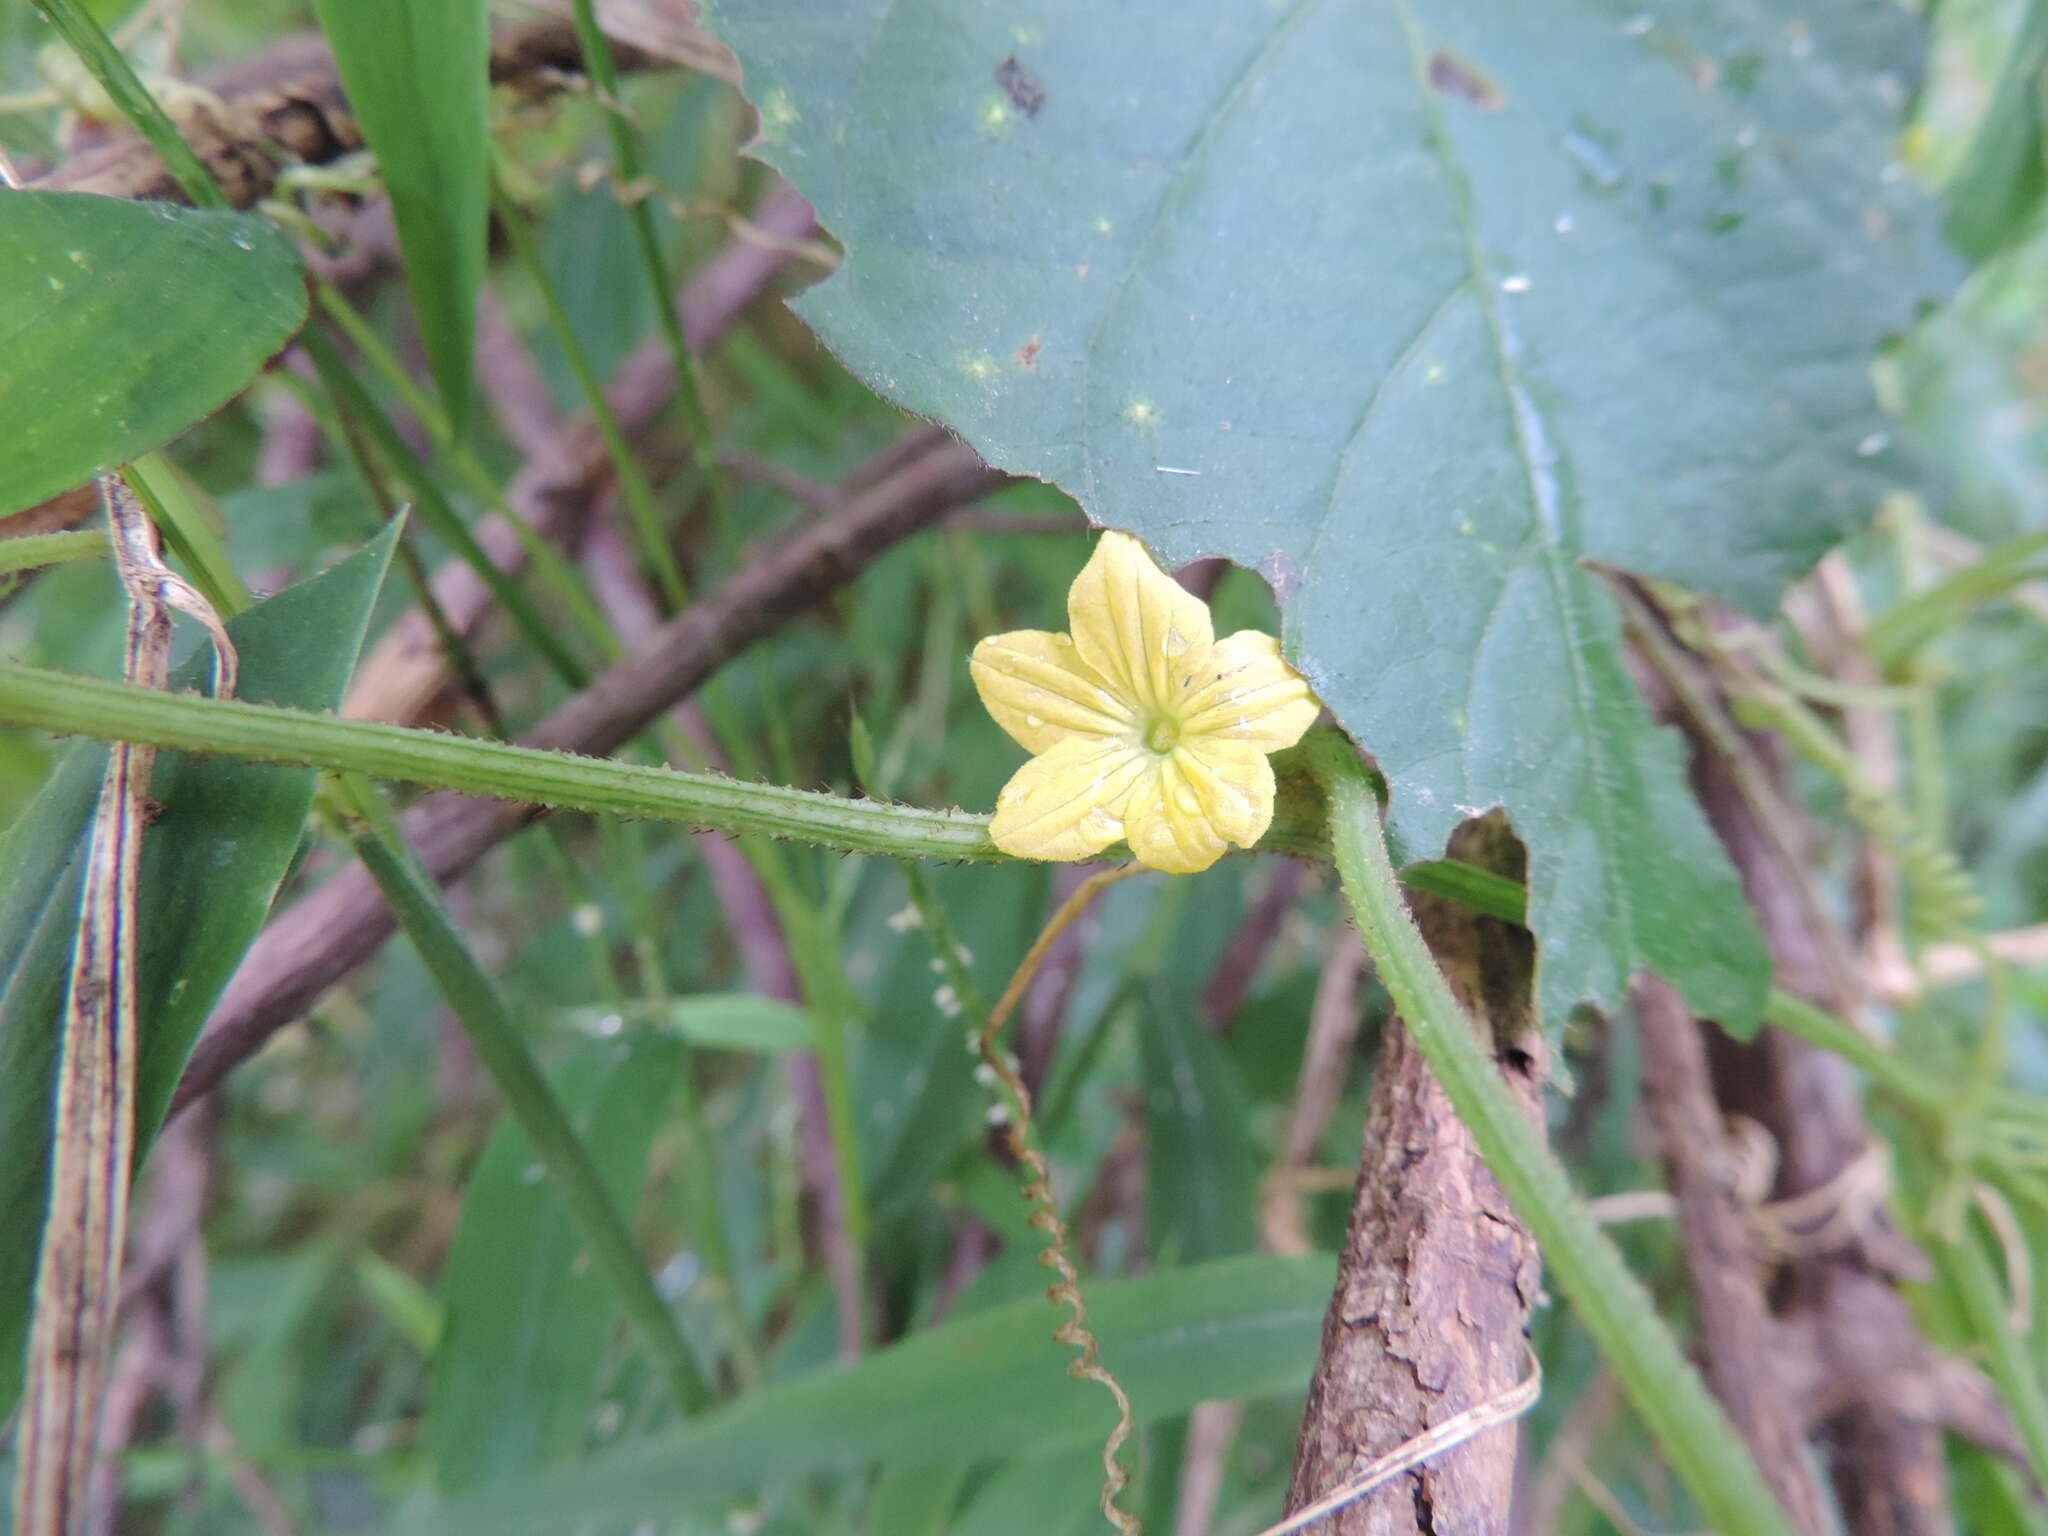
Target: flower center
[[1162, 735]]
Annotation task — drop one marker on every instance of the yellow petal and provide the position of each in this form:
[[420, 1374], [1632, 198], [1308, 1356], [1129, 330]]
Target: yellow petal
[[1135, 624], [1167, 821], [1041, 692], [1067, 803], [1233, 783], [1245, 692]]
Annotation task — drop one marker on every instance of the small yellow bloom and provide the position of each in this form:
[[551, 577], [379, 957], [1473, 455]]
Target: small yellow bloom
[[1144, 726]]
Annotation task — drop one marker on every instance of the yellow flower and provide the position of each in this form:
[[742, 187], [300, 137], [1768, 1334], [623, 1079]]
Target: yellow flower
[[1143, 725]]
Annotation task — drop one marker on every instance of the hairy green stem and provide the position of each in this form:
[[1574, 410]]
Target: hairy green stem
[[1702, 1446], [34, 550], [1818, 1027], [35, 698]]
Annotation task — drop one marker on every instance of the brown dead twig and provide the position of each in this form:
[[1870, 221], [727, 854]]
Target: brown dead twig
[[71, 1335], [1438, 1275], [285, 105]]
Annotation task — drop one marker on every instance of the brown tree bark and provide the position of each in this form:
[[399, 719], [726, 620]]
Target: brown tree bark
[[1437, 1275]]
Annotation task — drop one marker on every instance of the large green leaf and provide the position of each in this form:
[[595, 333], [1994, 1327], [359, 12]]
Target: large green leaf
[[418, 79], [991, 1385], [211, 865], [123, 323], [1416, 306], [529, 1317]]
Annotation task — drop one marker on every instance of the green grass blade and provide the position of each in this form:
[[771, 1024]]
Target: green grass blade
[[985, 1386], [529, 1325], [75, 24], [418, 81], [502, 1049], [211, 867]]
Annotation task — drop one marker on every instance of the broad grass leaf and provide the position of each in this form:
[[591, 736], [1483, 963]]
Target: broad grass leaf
[[986, 1386], [122, 324], [418, 80], [529, 1318]]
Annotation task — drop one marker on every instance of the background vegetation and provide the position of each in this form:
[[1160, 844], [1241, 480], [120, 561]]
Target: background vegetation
[[360, 1296]]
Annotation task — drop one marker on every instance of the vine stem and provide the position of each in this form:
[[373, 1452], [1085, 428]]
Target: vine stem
[[1700, 1443], [36, 699]]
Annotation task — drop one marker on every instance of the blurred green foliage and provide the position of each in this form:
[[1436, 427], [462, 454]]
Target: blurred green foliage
[[397, 1309]]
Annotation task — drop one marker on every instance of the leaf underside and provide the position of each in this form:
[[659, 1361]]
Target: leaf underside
[[1414, 308]]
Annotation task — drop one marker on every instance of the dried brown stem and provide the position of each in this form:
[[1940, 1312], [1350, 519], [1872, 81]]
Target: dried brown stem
[[77, 1289], [341, 924], [286, 105], [1438, 1275]]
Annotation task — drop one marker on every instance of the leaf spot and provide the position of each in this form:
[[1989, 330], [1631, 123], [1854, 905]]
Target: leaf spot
[[1450, 75], [1026, 91]]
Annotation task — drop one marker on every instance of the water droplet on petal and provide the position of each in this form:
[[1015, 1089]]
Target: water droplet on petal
[[1160, 835], [1175, 643], [1033, 721]]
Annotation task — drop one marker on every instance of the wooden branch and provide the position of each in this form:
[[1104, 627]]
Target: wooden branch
[[1438, 1275]]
